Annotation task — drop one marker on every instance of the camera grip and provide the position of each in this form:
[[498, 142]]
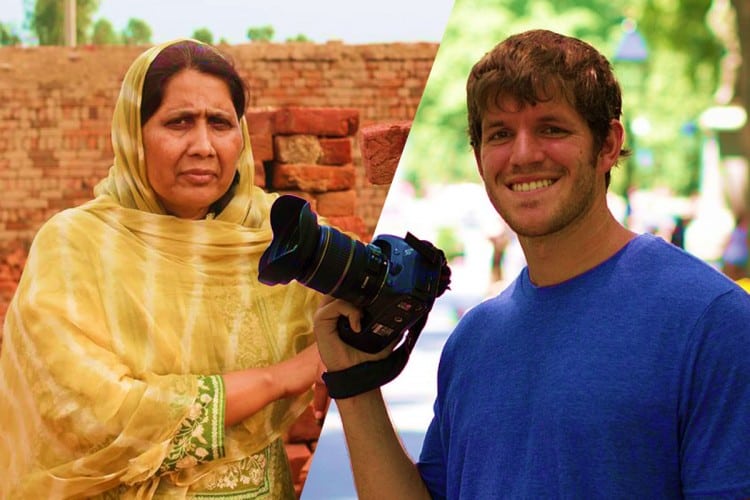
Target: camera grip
[[365, 340]]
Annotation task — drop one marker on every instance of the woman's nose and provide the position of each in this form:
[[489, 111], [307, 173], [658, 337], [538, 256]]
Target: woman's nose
[[201, 144]]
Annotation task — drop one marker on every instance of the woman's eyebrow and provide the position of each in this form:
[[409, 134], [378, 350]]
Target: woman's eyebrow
[[191, 112]]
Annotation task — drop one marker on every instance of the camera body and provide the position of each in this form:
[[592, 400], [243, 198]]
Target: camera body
[[407, 294], [393, 280]]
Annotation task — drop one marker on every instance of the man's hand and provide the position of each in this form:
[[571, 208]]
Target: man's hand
[[335, 353]]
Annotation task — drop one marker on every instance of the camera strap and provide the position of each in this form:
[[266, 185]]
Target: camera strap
[[370, 375]]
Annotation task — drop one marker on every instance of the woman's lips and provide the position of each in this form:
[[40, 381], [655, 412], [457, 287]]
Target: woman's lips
[[199, 176]]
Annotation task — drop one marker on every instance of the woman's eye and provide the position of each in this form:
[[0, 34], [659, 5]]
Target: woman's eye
[[180, 122], [221, 123]]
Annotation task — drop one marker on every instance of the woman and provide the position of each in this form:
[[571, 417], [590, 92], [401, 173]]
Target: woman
[[141, 358]]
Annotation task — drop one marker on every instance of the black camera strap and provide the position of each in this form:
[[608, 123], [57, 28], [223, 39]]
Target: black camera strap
[[370, 375]]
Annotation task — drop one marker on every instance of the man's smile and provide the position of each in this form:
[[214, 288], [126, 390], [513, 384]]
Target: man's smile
[[524, 187]]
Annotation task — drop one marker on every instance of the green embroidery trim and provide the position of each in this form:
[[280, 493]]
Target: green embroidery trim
[[201, 434], [245, 479]]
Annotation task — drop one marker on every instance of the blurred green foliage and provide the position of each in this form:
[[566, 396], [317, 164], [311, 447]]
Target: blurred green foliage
[[261, 33], [136, 32], [8, 35], [449, 242], [203, 35], [46, 20], [104, 33], [669, 90]]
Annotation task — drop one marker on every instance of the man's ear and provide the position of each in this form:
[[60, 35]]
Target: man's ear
[[610, 151]]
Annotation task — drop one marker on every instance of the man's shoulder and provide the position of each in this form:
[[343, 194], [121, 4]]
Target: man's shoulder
[[669, 268]]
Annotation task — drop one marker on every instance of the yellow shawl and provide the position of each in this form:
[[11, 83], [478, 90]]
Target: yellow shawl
[[119, 311]]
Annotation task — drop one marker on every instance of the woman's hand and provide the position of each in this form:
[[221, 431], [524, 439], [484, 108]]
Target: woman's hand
[[248, 391], [297, 374]]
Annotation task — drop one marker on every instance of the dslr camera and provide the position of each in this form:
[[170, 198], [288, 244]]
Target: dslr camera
[[394, 281]]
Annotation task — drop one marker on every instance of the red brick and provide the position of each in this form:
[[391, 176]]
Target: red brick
[[303, 473], [296, 148], [311, 178], [262, 146], [308, 197], [351, 224], [305, 429], [337, 203], [8, 288], [260, 120], [381, 146], [331, 122], [6, 274], [337, 151], [298, 455]]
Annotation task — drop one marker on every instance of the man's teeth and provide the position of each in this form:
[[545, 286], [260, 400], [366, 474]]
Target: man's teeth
[[530, 186]]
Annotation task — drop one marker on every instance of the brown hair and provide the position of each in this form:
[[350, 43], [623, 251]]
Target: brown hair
[[538, 65], [189, 54]]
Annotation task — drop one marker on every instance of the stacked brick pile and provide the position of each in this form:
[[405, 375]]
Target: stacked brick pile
[[308, 152]]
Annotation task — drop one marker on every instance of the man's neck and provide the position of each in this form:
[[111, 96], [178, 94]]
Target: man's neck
[[558, 257]]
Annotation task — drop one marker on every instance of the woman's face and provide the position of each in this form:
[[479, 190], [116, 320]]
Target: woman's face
[[192, 144]]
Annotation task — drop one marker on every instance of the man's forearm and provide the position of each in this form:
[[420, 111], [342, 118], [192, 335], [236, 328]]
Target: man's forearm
[[381, 467]]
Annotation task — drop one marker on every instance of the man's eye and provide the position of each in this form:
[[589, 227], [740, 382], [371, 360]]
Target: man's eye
[[552, 130], [497, 135]]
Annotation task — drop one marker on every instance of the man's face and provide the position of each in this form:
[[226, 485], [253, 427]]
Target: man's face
[[538, 165]]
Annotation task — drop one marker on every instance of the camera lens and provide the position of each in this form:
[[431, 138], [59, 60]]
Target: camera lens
[[320, 257]]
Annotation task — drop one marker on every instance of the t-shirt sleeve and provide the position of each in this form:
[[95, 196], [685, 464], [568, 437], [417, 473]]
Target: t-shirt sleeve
[[715, 402], [431, 462]]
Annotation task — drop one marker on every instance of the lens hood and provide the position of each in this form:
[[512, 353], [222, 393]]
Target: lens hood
[[295, 236]]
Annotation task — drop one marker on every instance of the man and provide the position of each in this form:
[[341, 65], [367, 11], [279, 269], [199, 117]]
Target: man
[[616, 365]]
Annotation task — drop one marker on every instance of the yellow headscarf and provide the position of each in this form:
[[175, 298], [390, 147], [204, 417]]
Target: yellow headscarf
[[119, 311]]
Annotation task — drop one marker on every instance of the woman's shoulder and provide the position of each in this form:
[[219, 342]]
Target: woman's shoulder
[[67, 226]]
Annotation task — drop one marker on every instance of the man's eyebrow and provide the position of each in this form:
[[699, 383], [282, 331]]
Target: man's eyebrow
[[553, 117], [494, 122]]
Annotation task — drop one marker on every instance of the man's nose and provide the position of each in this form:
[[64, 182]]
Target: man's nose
[[527, 149]]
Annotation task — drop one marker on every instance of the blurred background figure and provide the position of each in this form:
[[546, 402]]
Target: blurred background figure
[[734, 258]]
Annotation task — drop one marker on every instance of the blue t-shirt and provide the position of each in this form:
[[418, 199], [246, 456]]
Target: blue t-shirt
[[631, 380]]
